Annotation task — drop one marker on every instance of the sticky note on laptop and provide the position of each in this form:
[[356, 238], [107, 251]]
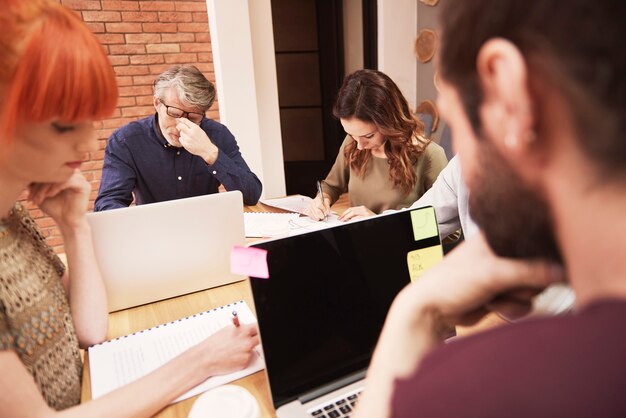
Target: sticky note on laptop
[[249, 261], [424, 224]]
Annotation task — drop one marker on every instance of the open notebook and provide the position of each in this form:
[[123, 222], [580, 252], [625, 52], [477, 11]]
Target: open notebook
[[122, 360]]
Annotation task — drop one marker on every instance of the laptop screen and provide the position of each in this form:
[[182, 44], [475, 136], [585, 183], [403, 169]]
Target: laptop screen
[[322, 309]]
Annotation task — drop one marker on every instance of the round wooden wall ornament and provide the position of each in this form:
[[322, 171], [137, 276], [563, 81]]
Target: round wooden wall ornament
[[430, 2], [429, 108], [425, 45]]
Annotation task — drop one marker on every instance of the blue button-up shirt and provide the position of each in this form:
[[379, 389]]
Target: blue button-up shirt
[[139, 160]]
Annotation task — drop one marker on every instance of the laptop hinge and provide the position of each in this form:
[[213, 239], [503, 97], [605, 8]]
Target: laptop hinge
[[339, 383]]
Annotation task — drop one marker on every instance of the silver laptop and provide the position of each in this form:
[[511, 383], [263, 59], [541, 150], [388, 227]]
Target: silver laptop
[[322, 309], [161, 250]]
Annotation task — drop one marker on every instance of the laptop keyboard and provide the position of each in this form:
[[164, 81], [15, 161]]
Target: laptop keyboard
[[336, 408]]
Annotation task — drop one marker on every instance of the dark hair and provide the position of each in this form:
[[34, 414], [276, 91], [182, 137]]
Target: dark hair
[[371, 96], [575, 45]]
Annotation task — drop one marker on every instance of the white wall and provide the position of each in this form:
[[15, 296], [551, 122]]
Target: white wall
[[396, 40], [242, 43]]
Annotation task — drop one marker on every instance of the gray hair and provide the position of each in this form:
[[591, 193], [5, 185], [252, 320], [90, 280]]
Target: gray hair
[[192, 86]]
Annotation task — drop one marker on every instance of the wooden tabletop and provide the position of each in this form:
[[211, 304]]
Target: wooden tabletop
[[146, 316]]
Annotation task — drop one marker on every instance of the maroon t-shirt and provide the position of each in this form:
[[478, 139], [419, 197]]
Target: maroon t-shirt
[[570, 366]]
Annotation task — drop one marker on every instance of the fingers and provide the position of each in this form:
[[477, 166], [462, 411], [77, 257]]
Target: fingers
[[318, 209], [356, 212]]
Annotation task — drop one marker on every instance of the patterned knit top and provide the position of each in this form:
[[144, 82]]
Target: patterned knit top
[[35, 318]]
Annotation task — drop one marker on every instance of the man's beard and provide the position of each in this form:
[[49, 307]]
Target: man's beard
[[515, 220]]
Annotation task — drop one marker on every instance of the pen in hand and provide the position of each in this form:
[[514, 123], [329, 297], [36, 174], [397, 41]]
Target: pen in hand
[[235, 319], [319, 190]]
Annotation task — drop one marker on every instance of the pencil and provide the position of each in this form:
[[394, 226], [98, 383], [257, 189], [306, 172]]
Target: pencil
[[235, 319]]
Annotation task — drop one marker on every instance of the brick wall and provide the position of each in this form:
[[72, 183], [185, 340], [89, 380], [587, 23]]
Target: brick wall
[[142, 39]]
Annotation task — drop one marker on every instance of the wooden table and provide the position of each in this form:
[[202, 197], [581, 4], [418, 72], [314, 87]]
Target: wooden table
[[146, 316]]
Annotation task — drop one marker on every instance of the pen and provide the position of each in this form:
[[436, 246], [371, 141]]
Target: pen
[[319, 190], [235, 319]]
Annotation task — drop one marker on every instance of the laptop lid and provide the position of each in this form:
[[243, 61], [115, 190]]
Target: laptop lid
[[161, 250], [322, 309]]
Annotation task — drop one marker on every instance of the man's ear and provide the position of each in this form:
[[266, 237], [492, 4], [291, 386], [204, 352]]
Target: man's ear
[[507, 109], [156, 102]]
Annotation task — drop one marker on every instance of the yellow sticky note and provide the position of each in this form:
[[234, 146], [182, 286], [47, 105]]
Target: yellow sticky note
[[421, 260], [424, 223]]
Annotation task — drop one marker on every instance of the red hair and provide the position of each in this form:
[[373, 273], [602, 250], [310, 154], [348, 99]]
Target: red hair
[[54, 67]]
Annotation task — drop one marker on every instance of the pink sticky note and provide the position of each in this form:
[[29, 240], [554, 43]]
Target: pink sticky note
[[249, 261]]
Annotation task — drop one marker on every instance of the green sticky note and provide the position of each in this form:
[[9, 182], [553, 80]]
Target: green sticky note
[[424, 223]]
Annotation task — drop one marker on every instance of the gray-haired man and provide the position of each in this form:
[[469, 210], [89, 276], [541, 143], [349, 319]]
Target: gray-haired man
[[175, 153]]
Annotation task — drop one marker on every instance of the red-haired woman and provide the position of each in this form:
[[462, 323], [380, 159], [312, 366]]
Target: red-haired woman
[[385, 162], [55, 80]]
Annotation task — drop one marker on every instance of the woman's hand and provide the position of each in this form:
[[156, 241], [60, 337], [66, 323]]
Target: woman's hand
[[319, 208], [65, 202], [356, 212], [231, 348]]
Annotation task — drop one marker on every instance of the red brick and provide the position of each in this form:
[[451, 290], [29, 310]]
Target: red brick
[[180, 58], [139, 17], [203, 37], [143, 38], [132, 70], [134, 91], [82, 4], [36, 213], [205, 57], [212, 114], [195, 47], [93, 195], [177, 37], [45, 222], [147, 59], [138, 111], [116, 123], [200, 17], [188, 6], [102, 17], [123, 81], [207, 69], [161, 48], [175, 17], [110, 38], [99, 155], [126, 101], [145, 100], [92, 165], [124, 27], [158, 68], [147, 80], [95, 27], [160, 27], [194, 27], [118, 59], [119, 5], [157, 5], [54, 241], [127, 49]]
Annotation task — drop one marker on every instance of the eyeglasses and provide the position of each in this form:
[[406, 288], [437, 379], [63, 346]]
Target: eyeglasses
[[179, 113]]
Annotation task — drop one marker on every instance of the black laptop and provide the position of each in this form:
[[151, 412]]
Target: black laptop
[[322, 309]]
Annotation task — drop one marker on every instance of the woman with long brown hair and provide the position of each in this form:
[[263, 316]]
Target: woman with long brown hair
[[385, 161]]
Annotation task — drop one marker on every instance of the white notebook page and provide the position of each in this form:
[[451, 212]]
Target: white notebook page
[[122, 360]]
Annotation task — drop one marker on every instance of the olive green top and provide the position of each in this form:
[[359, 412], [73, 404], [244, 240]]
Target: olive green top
[[375, 190]]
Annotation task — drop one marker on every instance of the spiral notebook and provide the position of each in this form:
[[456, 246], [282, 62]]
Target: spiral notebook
[[122, 360]]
